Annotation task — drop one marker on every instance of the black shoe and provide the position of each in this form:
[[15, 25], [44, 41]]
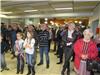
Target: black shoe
[[55, 54], [33, 70], [39, 64], [1, 70], [6, 68], [62, 73], [17, 72], [29, 70], [59, 63], [21, 72], [47, 66]]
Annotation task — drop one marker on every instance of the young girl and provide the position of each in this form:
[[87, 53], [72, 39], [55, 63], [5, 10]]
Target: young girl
[[19, 53], [29, 49]]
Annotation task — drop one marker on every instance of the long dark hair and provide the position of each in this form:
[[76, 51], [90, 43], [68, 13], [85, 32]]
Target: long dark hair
[[31, 33]]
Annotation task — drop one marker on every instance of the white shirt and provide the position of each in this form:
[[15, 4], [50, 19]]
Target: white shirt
[[70, 33], [32, 43], [70, 36], [20, 43]]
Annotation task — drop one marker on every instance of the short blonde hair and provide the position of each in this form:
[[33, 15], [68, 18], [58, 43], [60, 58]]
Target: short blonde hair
[[71, 24]]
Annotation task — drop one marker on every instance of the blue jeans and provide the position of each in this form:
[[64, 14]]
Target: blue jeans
[[20, 63], [3, 64], [30, 59], [42, 50]]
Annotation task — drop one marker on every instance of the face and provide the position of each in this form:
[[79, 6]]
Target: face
[[71, 27], [87, 35], [29, 35], [43, 27], [19, 36]]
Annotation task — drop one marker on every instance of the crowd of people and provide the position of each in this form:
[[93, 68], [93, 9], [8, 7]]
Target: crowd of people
[[69, 42]]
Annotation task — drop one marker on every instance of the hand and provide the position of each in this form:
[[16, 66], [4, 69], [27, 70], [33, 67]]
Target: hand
[[84, 56], [68, 44], [27, 46]]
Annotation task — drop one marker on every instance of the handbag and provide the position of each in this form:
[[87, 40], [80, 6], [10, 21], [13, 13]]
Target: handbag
[[93, 65]]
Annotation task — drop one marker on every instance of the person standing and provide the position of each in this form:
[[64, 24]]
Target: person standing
[[29, 44], [69, 37], [84, 49], [20, 53], [44, 45], [3, 64]]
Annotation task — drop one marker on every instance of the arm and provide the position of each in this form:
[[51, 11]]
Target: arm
[[93, 53], [76, 49]]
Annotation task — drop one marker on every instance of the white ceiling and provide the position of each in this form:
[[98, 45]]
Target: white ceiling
[[46, 7]]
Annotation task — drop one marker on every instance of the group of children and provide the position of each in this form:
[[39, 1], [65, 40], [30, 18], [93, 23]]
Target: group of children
[[28, 46]]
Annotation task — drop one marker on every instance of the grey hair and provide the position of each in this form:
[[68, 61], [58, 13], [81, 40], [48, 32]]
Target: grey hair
[[88, 30]]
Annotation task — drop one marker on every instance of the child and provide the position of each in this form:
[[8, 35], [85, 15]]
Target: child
[[29, 49], [19, 53]]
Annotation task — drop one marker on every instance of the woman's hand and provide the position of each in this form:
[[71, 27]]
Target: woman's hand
[[84, 56]]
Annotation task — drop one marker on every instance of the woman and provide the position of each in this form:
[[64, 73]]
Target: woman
[[84, 49]]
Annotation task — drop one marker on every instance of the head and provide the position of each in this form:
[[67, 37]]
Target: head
[[19, 35], [71, 26], [29, 35], [30, 28], [44, 27], [87, 34]]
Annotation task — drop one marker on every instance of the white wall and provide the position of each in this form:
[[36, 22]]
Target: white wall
[[96, 15]]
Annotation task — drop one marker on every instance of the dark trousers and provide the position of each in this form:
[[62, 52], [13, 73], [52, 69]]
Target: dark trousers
[[49, 44], [55, 45], [68, 54], [42, 51], [20, 63], [60, 54]]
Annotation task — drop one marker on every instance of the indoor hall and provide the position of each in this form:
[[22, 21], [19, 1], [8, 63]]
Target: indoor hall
[[55, 14]]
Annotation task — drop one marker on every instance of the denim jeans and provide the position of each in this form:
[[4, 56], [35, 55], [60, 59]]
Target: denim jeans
[[3, 61], [30, 59], [20, 63], [42, 50]]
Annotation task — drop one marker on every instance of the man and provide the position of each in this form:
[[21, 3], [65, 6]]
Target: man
[[44, 44], [69, 37]]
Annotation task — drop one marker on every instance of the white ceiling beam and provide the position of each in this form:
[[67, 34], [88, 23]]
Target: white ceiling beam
[[54, 15]]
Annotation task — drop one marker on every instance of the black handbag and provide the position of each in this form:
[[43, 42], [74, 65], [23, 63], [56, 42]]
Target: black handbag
[[93, 65]]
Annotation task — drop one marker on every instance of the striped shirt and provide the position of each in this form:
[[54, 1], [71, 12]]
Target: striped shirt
[[43, 38]]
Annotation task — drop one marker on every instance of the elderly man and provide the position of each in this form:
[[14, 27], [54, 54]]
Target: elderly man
[[44, 44], [69, 38]]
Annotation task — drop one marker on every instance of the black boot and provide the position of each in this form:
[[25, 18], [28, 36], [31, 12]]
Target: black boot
[[68, 72], [33, 70], [29, 70]]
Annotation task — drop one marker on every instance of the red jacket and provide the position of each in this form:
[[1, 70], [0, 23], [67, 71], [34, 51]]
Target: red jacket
[[92, 51]]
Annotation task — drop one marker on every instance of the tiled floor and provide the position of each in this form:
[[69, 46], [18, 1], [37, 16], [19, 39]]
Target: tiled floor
[[40, 70]]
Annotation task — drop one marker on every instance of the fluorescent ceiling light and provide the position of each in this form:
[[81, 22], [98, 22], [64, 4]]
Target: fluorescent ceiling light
[[3, 16], [30, 10], [5, 12], [62, 8]]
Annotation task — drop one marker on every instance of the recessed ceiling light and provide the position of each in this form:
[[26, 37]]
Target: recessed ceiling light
[[30, 10], [46, 19], [76, 21], [80, 22], [62, 8], [5, 12]]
